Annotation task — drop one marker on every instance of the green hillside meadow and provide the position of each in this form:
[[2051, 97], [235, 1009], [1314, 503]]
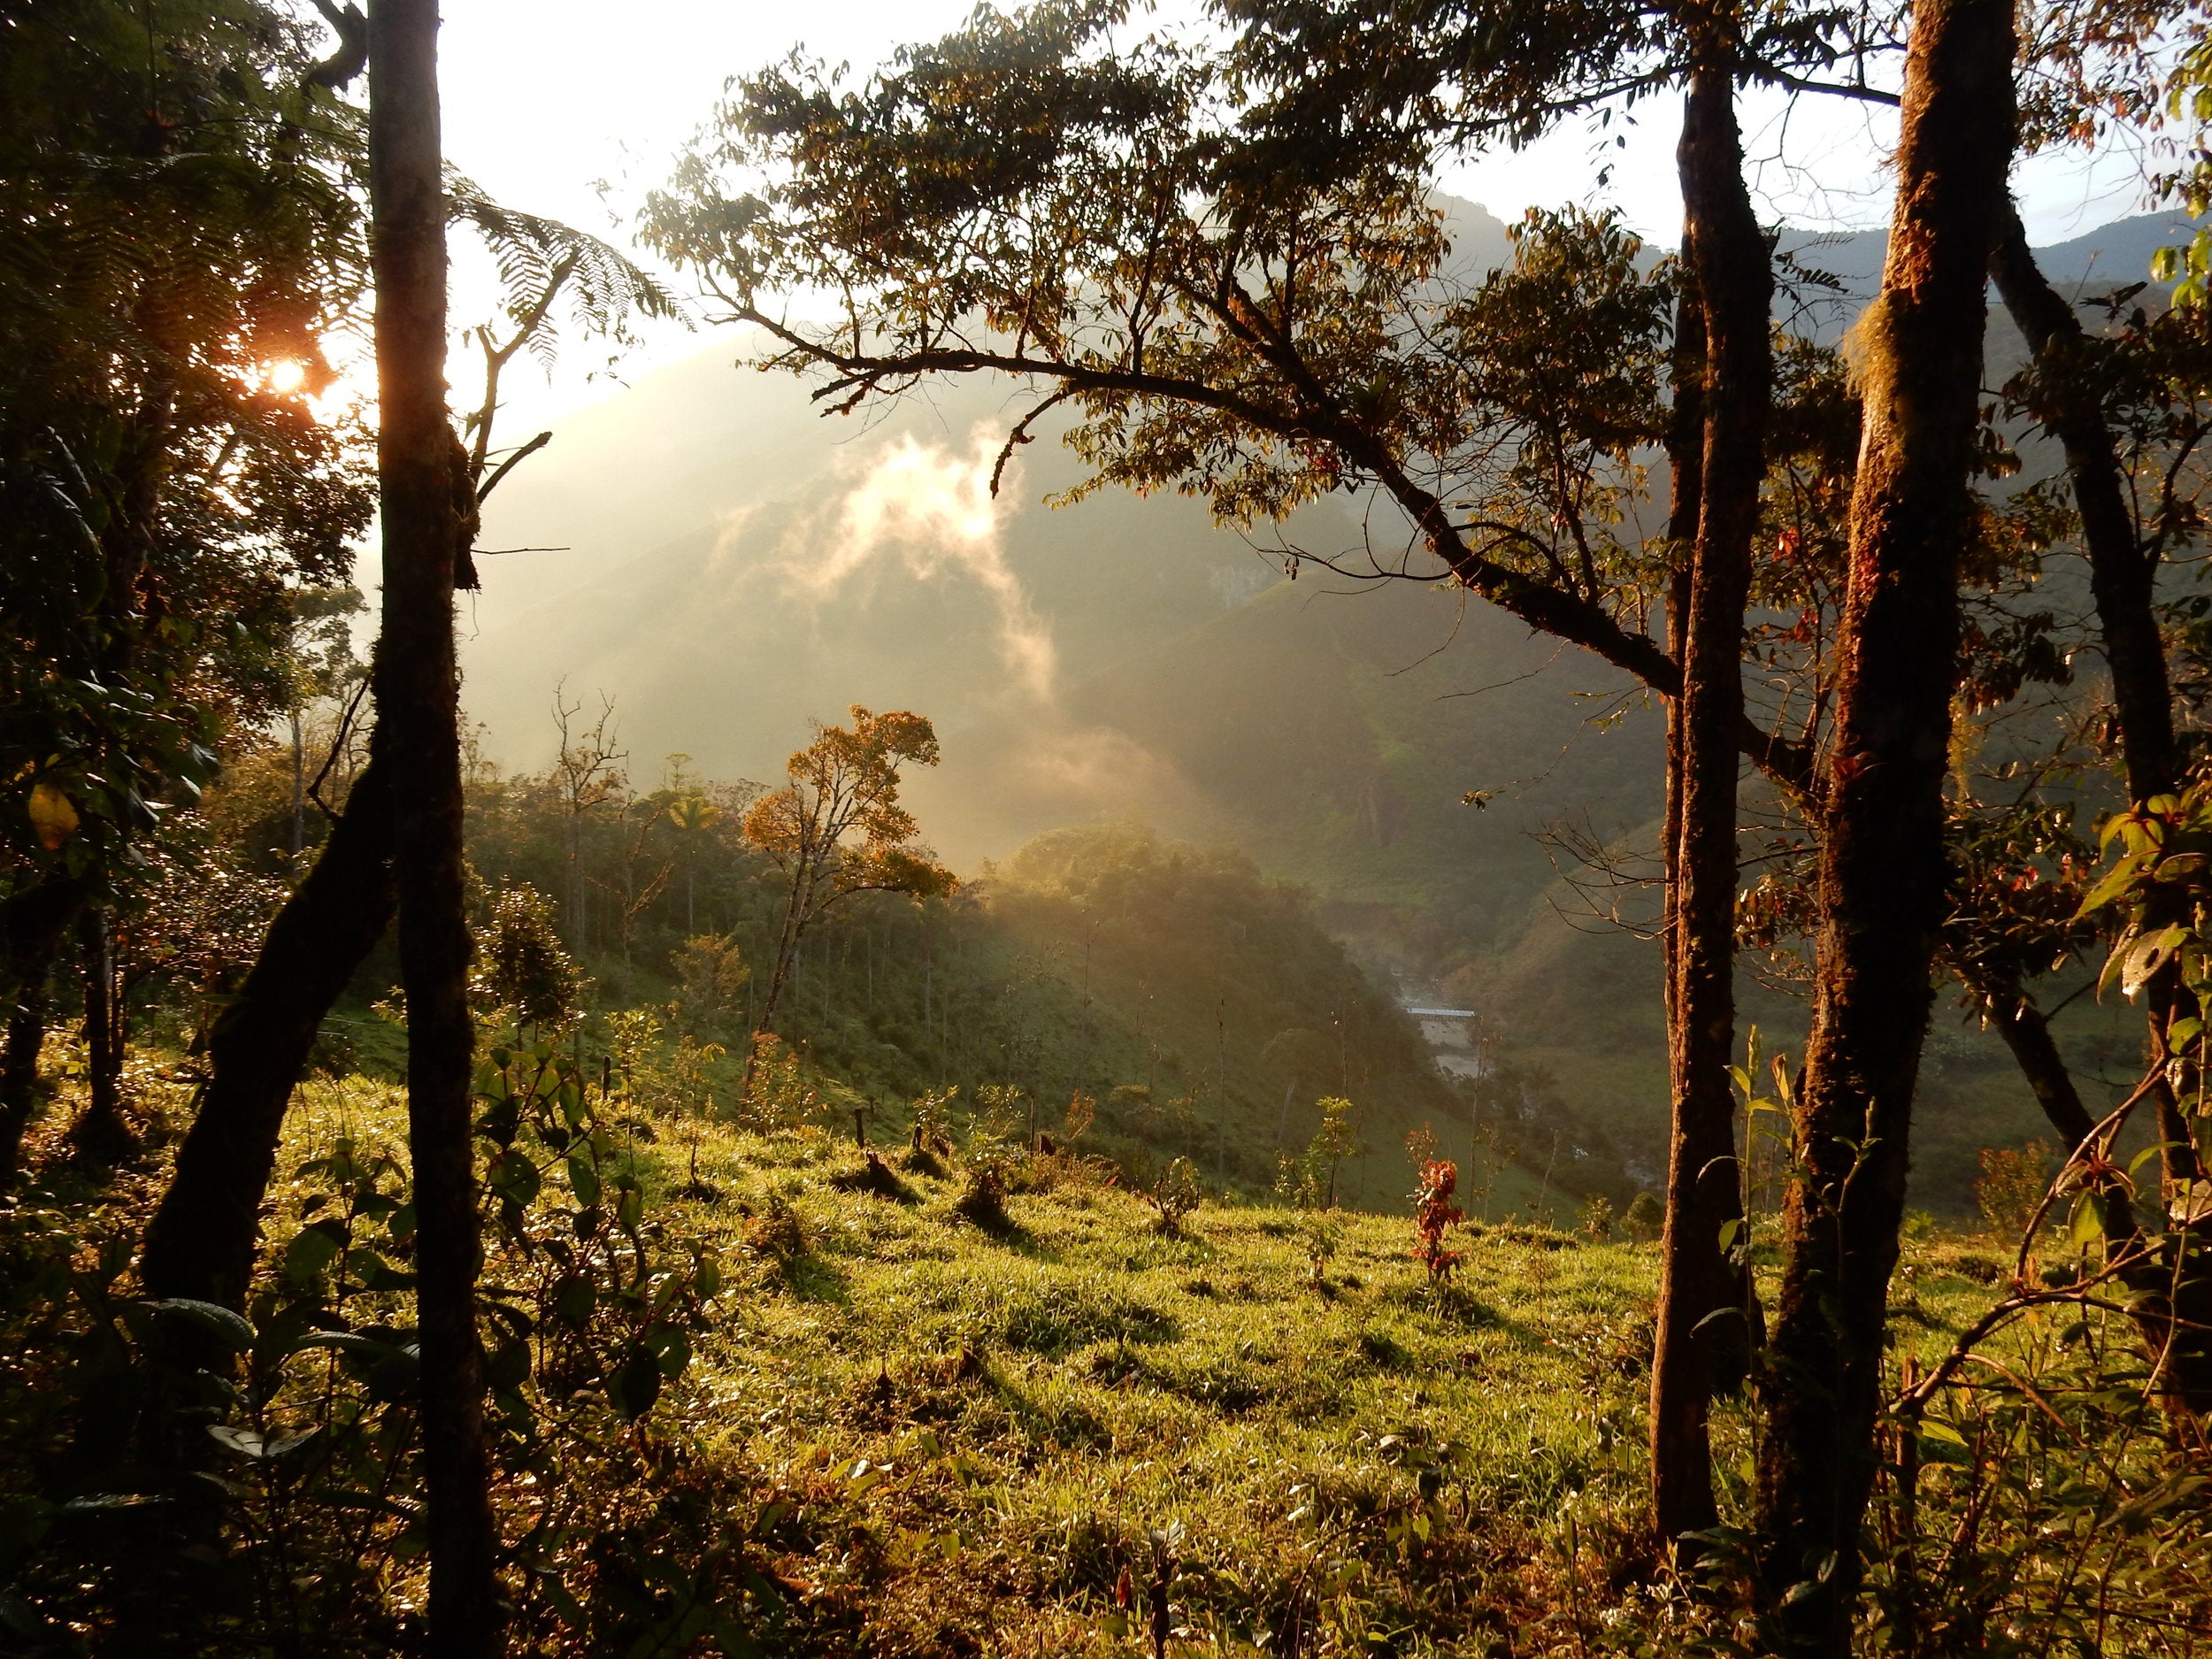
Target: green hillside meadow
[[897, 1429]]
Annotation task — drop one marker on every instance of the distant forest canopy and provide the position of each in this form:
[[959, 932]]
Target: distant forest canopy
[[1198, 1008]]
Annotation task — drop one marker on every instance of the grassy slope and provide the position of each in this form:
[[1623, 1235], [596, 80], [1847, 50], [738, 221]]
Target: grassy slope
[[971, 1436]]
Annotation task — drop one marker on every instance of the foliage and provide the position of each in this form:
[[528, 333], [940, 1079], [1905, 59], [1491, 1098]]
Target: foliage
[[983, 1198], [1434, 1215], [1174, 1197], [592, 1305], [710, 974], [781, 1095], [1597, 1222], [167, 242], [1645, 1218], [2013, 1183], [521, 963], [1320, 1234]]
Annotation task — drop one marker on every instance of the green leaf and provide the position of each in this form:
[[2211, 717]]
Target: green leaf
[[226, 1323], [2147, 957], [513, 1177], [2114, 883], [574, 1297], [2087, 1226], [314, 1247], [507, 1366], [583, 1179], [673, 1348], [636, 1385]]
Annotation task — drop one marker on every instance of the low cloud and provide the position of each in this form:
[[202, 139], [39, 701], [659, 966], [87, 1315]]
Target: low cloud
[[931, 511]]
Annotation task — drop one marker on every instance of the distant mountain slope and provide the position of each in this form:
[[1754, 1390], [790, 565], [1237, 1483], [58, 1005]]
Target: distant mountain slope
[[737, 566]]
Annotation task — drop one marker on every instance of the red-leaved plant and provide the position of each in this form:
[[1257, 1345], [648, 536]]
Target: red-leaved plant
[[1433, 1215]]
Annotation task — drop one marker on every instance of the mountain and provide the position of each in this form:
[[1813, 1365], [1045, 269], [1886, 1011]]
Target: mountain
[[732, 565]]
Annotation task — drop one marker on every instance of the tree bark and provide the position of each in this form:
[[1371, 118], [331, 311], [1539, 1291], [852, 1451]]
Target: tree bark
[[418, 712], [1705, 1297], [1882, 871], [101, 1133], [201, 1241], [2122, 583]]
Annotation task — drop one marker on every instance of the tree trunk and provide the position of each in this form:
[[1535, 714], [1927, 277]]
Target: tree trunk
[[1703, 1341], [200, 1243], [101, 1133], [419, 713], [1882, 873], [33, 924], [2123, 582]]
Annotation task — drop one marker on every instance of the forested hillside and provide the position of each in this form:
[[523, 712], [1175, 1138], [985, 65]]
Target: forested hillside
[[1119, 659], [1196, 1008]]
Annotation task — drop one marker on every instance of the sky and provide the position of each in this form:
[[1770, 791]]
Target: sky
[[574, 110]]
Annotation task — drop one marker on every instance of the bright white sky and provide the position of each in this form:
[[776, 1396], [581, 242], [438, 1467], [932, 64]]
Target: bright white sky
[[545, 98]]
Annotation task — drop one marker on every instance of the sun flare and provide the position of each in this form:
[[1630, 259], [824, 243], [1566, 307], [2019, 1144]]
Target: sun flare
[[285, 376]]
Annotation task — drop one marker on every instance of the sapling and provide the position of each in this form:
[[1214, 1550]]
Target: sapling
[[1434, 1214], [1173, 1196]]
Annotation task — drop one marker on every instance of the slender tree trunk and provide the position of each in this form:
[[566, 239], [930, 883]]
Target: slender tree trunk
[[201, 1241], [25, 1036], [789, 940], [1703, 1341], [2123, 582], [419, 711], [101, 1133], [2027, 1035], [299, 789], [34, 922], [1882, 874]]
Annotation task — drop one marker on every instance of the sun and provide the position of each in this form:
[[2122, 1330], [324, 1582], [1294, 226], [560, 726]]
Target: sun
[[285, 376]]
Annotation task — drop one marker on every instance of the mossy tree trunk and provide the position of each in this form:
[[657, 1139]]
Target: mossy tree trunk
[[1883, 876], [1704, 1302]]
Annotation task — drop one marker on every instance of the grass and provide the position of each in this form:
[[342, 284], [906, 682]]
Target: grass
[[947, 1439], [927, 1438]]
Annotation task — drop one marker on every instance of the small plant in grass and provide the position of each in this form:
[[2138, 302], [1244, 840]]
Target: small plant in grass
[[930, 1141], [777, 1231], [983, 1200], [1597, 1217], [1434, 1214], [2014, 1181], [1320, 1236], [1173, 1197], [1308, 1180], [780, 1096]]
